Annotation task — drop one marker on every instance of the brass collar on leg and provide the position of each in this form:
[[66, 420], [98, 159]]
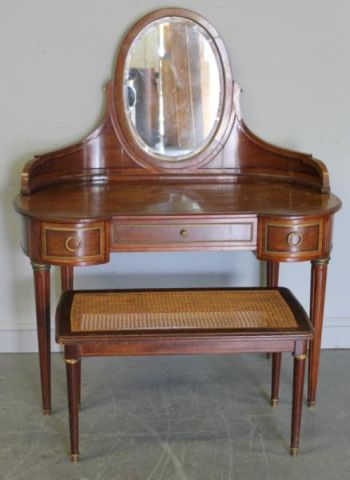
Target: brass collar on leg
[[321, 261], [40, 267], [71, 361]]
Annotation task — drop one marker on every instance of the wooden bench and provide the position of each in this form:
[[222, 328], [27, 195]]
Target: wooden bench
[[165, 322]]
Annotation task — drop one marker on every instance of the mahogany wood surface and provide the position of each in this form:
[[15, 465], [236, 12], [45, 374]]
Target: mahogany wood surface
[[104, 194], [88, 201]]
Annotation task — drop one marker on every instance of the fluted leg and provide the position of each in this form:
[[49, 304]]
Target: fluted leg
[[67, 283], [318, 291], [42, 303], [66, 278], [72, 369], [272, 274], [298, 387]]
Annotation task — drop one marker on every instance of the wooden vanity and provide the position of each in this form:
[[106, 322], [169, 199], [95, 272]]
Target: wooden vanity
[[173, 167]]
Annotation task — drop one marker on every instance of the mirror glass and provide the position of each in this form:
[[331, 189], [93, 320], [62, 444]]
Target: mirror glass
[[173, 88]]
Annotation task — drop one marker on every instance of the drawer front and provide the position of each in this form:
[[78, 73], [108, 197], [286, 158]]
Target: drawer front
[[77, 245], [176, 235], [293, 239]]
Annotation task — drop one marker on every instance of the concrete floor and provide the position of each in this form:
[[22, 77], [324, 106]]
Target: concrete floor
[[183, 418]]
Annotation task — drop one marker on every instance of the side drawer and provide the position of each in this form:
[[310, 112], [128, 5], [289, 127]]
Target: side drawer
[[190, 235], [74, 244], [290, 239]]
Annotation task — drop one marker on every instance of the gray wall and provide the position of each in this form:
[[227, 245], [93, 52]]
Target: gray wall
[[292, 61]]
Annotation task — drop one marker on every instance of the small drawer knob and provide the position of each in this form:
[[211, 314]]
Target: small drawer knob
[[294, 239], [184, 233], [73, 244]]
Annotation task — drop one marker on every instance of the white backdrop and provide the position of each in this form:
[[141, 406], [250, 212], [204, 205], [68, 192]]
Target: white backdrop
[[290, 58]]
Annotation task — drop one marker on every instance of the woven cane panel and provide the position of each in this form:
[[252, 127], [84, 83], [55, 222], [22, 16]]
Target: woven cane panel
[[192, 310]]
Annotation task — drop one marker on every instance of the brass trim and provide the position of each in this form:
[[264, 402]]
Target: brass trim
[[294, 451], [274, 402], [40, 267], [293, 235], [69, 239], [71, 361], [300, 357], [47, 411], [74, 457], [321, 261], [311, 403]]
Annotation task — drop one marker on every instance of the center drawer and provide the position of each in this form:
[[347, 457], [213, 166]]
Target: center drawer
[[177, 235]]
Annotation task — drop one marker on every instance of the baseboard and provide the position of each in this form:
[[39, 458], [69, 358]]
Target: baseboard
[[336, 334], [22, 340]]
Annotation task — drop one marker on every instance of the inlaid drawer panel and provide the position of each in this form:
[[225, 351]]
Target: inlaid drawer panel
[[288, 238], [167, 235], [73, 244]]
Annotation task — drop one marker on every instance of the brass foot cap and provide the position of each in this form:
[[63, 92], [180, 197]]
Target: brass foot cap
[[47, 411], [274, 402], [294, 451], [74, 457], [311, 403]]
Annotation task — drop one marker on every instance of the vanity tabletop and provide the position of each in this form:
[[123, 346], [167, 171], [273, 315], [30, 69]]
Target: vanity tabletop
[[102, 201]]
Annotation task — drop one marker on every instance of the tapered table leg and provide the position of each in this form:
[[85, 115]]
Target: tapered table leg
[[272, 274], [42, 303], [72, 368], [67, 283], [298, 388], [318, 291], [66, 278]]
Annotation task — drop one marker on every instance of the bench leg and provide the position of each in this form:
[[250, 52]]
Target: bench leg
[[79, 382], [73, 386], [276, 373], [298, 388]]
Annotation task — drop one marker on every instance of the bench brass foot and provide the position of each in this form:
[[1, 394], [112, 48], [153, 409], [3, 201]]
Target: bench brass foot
[[274, 402], [294, 451], [74, 457]]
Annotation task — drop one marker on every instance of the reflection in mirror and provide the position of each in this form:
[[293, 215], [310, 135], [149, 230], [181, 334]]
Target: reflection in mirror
[[173, 88]]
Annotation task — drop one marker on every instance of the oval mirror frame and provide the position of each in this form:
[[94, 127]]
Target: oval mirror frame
[[216, 141]]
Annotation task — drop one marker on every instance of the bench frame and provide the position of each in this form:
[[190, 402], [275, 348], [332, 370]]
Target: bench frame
[[81, 344]]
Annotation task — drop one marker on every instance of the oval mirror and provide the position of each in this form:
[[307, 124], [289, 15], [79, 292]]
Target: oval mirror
[[173, 88], [173, 91]]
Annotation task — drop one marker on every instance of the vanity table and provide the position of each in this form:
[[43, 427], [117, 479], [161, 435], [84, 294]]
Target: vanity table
[[173, 167]]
